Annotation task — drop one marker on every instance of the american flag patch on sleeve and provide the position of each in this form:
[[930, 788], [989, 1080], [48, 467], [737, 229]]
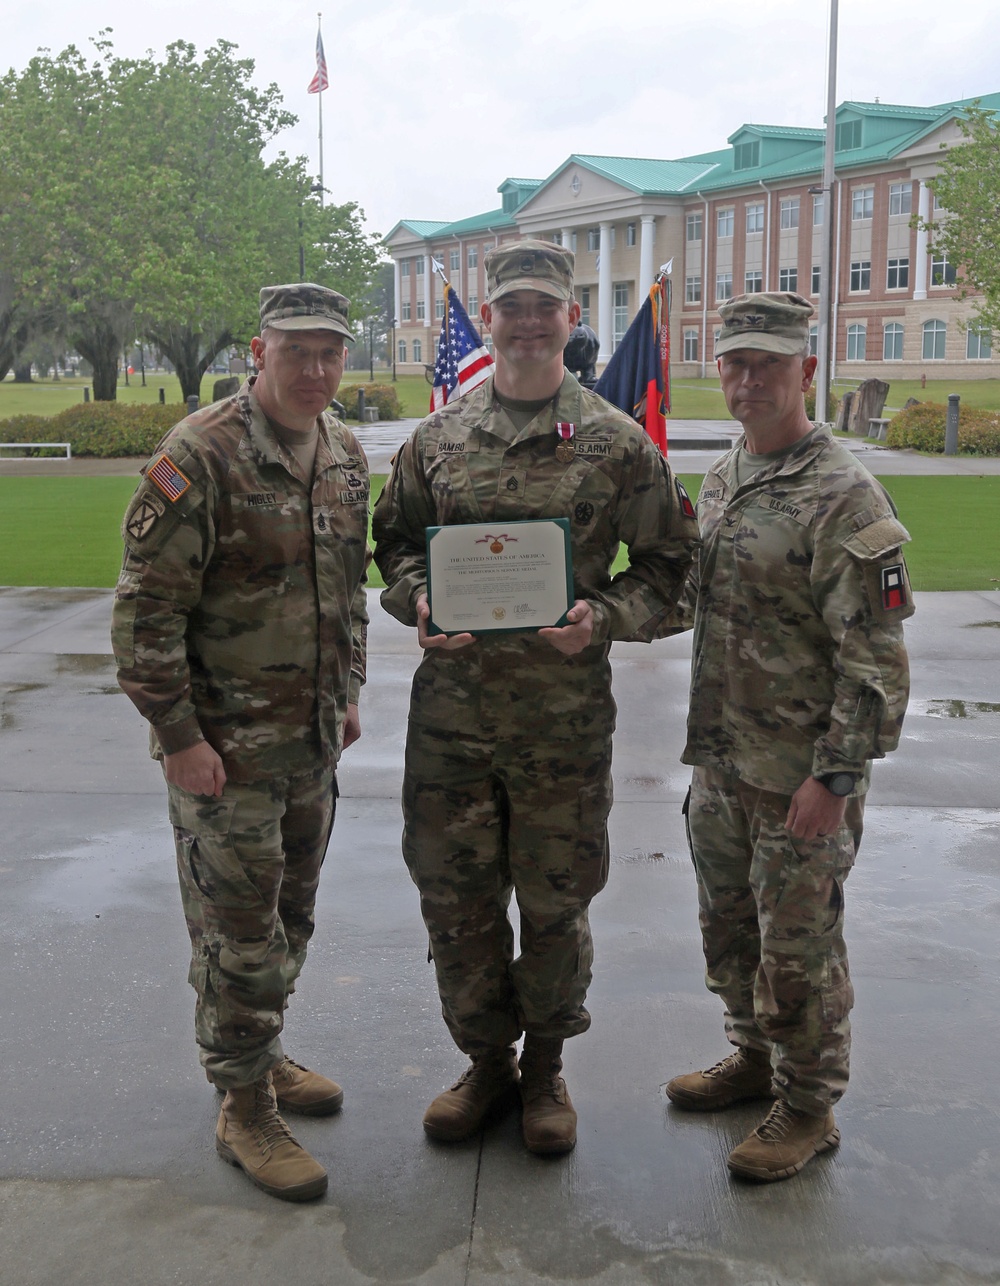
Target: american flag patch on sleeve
[[165, 474]]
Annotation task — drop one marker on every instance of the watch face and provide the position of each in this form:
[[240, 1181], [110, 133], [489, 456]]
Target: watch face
[[840, 783]]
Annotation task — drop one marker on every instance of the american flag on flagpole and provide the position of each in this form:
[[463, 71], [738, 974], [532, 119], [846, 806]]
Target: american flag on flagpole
[[462, 361], [321, 80]]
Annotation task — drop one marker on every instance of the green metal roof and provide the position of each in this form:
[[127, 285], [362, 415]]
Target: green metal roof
[[645, 175], [476, 223]]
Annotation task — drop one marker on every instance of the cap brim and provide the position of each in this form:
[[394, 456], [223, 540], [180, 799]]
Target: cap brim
[[537, 284], [762, 343], [300, 322]]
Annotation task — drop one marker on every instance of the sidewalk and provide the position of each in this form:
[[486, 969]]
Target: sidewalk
[[687, 447], [108, 1174]]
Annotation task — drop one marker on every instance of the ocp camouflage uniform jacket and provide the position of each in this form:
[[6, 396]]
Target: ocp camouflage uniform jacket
[[240, 612], [798, 666], [468, 464]]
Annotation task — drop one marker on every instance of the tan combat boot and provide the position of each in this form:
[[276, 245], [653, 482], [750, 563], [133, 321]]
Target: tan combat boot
[[548, 1121], [297, 1089], [742, 1076], [783, 1143], [484, 1088], [251, 1135]]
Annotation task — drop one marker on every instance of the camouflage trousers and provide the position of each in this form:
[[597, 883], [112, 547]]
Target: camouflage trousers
[[771, 910], [249, 864], [487, 815]]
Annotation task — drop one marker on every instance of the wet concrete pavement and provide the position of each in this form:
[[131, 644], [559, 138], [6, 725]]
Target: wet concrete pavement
[[107, 1169]]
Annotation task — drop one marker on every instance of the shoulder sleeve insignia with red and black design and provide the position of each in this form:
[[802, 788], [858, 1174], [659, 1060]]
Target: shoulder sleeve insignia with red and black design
[[684, 500]]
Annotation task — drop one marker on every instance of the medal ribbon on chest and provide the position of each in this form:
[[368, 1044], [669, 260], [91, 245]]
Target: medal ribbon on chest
[[565, 451]]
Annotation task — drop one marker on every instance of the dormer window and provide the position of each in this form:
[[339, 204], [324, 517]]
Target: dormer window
[[746, 156], [848, 138]]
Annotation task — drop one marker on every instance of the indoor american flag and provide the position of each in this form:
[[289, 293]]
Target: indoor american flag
[[462, 361], [320, 81]]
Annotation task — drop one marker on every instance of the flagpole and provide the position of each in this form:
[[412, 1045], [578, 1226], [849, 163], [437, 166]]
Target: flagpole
[[319, 29]]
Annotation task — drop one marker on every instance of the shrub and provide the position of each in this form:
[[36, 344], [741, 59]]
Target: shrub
[[811, 405], [922, 427], [105, 429], [382, 396]]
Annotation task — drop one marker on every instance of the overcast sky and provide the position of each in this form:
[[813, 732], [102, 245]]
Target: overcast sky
[[434, 102]]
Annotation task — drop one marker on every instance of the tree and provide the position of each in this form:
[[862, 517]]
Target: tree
[[969, 191], [135, 200]]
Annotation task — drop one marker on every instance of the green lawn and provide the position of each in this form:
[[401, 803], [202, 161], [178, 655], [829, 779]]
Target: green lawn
[[692, 399], [65, 531]]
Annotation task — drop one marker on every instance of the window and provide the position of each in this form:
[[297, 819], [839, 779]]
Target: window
[[421, 310], [724, 285], [557, 238], [420, 266], [614, 238], [690, 346], [788, 278], [755, 217], [621, 312], [406, 310], [942, 272], [418, 351], [848, 136], [857, 338], [892, 342], [933, 346], [454, 259], [472, 257], [937, 202], [900, 198], [979, 344], [746, 156], [692, 289], [819, 207], [753, 281], [790, 212], [585, 305], [861, 274], [724, 220], [862, 203], [814, 341], [693, 225], [473, 309], [897, 274], [401, 349], [438, 309], [630, 234], [488, 342], [404, 267], [593, 238], [817, 279], [572, 237]]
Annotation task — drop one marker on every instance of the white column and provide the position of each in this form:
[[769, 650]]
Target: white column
[[428, 292], [605, 324], [646, 268], [397, 294], [567, 238], [920, 267]]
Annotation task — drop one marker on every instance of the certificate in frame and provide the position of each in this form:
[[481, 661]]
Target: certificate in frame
[[499, 576]]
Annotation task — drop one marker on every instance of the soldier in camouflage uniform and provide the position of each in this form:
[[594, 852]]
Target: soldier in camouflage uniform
[[799, 680], [508, 758], [239, 630]]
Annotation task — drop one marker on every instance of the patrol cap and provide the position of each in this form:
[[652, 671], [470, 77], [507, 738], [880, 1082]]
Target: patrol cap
[[773, 321], [303, 305], [529, 265]]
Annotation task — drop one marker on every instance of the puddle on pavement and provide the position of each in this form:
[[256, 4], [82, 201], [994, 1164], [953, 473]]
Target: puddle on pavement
[[7, 719], [939, 708], [88, 663], [124, 869], [983, 625]]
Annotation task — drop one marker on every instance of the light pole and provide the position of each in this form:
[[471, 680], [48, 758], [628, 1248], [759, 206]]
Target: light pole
[[393, 328], [827, 286]]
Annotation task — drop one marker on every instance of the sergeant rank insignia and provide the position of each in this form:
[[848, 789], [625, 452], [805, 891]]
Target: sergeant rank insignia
[[166, 475], [565, 451]]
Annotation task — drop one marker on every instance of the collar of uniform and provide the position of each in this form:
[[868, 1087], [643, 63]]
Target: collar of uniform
[[798, 458]]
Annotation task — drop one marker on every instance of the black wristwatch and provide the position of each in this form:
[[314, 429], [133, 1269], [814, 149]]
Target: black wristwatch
[[839, 783]]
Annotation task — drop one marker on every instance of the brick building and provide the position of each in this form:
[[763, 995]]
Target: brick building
[[743, 218]]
